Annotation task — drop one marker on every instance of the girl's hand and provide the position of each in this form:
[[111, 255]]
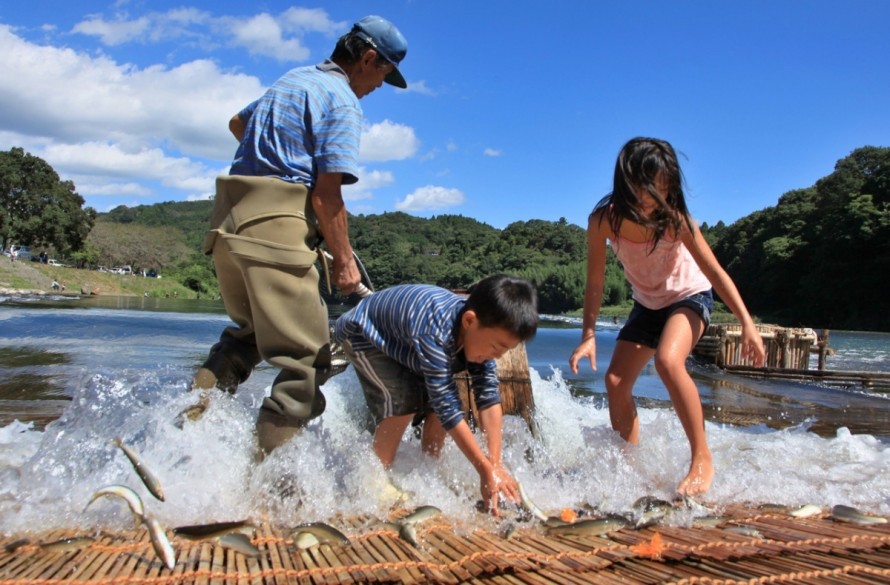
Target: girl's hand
[[498, 481], [752, 346], [587, 348]]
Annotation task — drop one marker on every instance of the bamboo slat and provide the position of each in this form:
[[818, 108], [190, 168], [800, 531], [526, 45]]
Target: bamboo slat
[[810, 550]]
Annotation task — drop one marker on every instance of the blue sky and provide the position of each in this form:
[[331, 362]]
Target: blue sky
[[514, 111]]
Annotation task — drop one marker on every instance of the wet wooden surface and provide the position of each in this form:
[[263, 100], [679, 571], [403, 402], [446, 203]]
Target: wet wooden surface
[[783, 549]]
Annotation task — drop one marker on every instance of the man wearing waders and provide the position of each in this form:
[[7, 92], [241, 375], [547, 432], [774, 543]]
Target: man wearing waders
[[299, 143]]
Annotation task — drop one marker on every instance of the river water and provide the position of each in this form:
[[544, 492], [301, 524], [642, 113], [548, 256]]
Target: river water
[[76, 373]]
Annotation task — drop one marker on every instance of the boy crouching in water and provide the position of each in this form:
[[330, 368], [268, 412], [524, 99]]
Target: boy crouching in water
[[407, 342]]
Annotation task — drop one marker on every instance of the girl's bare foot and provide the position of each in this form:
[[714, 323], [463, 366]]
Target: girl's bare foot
[[699, 478]]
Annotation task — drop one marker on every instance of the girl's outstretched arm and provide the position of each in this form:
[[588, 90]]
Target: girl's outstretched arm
[[598, 231], [752, 343]]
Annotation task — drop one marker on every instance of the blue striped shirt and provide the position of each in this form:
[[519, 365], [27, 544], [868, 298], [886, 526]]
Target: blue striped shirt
[[309, 122], [415, 325]]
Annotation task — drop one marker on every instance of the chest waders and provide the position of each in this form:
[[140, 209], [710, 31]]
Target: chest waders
[[264, 244]]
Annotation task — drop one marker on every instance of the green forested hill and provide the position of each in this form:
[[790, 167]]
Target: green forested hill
[[818, 258]]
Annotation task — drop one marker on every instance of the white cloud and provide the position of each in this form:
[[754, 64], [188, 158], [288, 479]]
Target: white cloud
[[492, 152], [113, 32], [368, 181], [262, 35], [429, 198], [388, 141], [417, 87]]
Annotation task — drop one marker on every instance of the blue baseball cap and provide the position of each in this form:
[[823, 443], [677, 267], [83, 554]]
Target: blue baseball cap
[[387, 41]]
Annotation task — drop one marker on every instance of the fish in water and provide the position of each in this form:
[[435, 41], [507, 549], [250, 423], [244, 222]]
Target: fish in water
[[160, 542], [844, 513], [322, 532], [529, 505], [214, 530], [150, 481], [408, 533], [68, 544], [239, 543], [121, 491], [806, 511], [590, 527], [648, 510], [420, 514]]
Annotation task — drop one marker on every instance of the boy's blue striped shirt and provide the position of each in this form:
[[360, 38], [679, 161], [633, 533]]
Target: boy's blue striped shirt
[[309, 122], [414, 325]]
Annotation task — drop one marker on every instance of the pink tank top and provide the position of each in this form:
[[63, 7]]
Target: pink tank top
[[663, 277]]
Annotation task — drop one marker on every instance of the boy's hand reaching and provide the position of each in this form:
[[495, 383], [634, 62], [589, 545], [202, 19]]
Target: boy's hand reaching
[[497, 482], [586, 348]]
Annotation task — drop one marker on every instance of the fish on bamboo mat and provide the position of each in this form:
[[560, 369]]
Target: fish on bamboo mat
[[590, 526], [843, 513], [148, 478], [212, 530], [320, 532], [160, 542], [805, 511], [240, 543], [68, 544]]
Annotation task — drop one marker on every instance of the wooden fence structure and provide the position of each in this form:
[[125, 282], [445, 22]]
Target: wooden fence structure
[[788, 355]]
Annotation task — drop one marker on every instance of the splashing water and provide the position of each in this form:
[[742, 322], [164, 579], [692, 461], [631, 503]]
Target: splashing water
[[209, 472]]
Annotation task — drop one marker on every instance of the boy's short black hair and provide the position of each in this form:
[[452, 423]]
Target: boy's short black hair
[[507, 302]]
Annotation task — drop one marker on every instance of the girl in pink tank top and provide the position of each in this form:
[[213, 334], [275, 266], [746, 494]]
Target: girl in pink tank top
[[672, 271]]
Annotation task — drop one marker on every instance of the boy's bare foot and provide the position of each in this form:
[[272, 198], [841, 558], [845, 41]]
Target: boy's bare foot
[[699, 478]]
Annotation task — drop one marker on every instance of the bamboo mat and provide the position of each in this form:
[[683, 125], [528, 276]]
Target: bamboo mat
[[785, 549]]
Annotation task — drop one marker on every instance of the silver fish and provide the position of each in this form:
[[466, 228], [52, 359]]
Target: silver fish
[[744, 531], [648, 510], [150, 481], [132, 498], [507, 529], [408, 533], [304, 540], [68, 544], [806, 511], [323, 532], [769, 508], [708, 521], [420, 514], [160, 542], [529, 505], [214, 530], [239, 543], [589, 527], [844, 513]]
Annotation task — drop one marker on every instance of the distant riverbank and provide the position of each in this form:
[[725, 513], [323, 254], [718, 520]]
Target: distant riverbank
[[37, 278]]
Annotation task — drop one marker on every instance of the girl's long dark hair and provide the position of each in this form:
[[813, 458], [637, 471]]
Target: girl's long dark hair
[[640, 164]]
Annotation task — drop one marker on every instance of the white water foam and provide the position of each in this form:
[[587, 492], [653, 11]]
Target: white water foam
[[208, 471]]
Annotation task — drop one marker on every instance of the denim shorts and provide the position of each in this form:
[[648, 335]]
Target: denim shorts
[[390, 388], [644, 325]]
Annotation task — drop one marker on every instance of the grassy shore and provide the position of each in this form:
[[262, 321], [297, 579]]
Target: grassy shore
[[37, 276]]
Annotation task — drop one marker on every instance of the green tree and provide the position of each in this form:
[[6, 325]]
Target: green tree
[[37, 208]]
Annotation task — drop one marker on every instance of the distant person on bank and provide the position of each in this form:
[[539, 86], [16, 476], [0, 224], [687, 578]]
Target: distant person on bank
[[673, 271], [407, 342], [299, 143]]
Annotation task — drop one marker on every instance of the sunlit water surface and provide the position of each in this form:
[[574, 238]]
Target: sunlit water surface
[[123, 372]]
